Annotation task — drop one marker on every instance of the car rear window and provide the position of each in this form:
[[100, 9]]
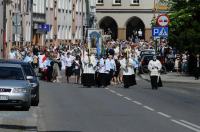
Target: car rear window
[[11, 73]]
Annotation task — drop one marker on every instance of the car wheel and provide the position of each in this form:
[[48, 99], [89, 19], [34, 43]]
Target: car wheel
[[145, 69], [163, 70], [35, 102]]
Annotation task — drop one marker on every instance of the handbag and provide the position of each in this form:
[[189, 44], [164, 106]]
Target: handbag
[[160, 82]]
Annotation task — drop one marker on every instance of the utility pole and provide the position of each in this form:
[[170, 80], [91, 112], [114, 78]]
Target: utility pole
[[4, 29], [82, 32], [154, 17]]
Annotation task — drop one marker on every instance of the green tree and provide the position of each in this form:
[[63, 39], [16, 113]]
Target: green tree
[[184, 33]]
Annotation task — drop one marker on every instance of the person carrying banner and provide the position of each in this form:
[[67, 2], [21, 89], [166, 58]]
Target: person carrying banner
[[88, 75], [127, 65]]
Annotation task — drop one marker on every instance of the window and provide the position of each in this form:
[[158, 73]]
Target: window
[[47, 3], [51, 3], [116, 2], [135, 2], [99, 1]]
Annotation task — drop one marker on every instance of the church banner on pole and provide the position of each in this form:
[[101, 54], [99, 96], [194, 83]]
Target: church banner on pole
[[95, 40]]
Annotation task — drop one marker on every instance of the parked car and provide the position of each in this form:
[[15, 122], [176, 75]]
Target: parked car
[[29, 71], [143, 66], [147, 52], [15, 89]]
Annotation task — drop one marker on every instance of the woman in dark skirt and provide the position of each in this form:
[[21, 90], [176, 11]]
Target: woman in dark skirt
[[77, 68], [88, 79], [129, 80], [69, 66], [116, 75]]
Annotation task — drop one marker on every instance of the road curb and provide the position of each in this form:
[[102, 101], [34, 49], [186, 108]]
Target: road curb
[[169, 81]]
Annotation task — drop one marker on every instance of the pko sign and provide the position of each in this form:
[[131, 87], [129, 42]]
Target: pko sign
[[160, 31]]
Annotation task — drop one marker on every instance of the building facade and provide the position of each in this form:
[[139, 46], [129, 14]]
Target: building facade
[[1, 27], [65, 18], [38, 19], [124, 19], [18, 23]]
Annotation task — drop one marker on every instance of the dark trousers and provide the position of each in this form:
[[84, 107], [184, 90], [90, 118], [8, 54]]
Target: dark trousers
[[154, 82], [104, 79], [197, 73]]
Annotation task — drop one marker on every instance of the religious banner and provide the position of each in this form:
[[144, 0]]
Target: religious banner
[[95, 40]]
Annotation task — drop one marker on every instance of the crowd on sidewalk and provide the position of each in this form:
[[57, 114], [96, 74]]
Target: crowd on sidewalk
[[117, 63]]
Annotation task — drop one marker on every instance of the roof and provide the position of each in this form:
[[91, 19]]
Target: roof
[[10, 65], [13, 61]]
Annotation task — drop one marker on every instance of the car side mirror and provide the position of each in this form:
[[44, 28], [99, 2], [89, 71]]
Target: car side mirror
[[29, 77]]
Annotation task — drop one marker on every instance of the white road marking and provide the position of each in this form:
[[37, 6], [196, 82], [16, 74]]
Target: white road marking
[[191, 124], [112, 91], [119, 94], [1, 120], [163, 114], [107, 88], [148, 108], [136, 102], [185, 125], [127, 98]]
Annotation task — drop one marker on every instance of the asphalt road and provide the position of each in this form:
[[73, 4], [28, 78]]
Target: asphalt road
[[73, 108]]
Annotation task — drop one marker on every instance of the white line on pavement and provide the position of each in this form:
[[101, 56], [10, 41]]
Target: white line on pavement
[[185, 125], [163, 114], [127, 98], [136, 102], [119, 94], [191, 124], [148, 108], [1, 120], [112, 91], [107, 88]]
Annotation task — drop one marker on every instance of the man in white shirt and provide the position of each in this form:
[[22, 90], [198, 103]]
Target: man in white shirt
[[112, 67], [88, 75], [104, 72], [127, 66], [28, 58], [154, 67], [12, 54], [68, 66]]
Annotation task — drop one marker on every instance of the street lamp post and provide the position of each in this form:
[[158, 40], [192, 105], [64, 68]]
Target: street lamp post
[[82, 32], [4, 29], [93, 13]]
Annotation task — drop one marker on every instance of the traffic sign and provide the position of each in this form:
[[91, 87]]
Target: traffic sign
[[44, 27], [163, 20], [160, 31]]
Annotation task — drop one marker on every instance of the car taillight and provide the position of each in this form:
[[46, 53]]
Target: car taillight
[[143, 62]]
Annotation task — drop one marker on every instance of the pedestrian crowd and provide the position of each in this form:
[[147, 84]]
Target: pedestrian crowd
[[118, 62]]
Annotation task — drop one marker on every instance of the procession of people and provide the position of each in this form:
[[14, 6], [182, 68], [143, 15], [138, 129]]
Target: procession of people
[[118, 62]]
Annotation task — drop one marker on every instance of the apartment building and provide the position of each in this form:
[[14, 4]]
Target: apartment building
[[124, 18], [65, 20], [18, 23], [38, 19]]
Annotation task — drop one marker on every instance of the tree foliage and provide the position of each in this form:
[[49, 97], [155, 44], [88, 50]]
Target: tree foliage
[[184, 28]]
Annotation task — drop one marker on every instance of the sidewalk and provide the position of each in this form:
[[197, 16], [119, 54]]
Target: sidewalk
[[174, 77]]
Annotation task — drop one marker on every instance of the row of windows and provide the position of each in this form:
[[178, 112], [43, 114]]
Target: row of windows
[[64, 33], [118, 1]]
